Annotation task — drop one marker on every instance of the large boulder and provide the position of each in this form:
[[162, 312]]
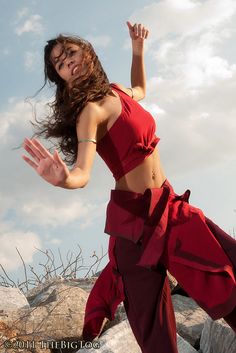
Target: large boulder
[[45, 288], [120, 339], [218, 337], [190, 319], [12, 298], [184, 346], [116, 339], [56, 313]]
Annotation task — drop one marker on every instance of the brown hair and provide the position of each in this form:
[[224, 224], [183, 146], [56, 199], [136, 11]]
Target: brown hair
[[69, 101]]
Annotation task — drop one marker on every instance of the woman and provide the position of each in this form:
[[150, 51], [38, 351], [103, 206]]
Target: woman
[[151, 228]]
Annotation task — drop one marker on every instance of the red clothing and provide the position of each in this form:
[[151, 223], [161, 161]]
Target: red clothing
[[130, 139], [172, 233], [148, 303]]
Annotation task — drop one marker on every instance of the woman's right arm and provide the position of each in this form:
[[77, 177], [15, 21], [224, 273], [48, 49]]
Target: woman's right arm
[[51, 167], [86, 128]]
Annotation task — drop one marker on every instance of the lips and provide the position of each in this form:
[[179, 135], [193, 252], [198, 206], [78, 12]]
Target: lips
[[75, 68]]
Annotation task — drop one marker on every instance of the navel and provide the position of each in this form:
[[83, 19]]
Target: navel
[[153, 174]]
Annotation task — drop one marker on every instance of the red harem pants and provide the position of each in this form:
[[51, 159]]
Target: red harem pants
[[173, 235]]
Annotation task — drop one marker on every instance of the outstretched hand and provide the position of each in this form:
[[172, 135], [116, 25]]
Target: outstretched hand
[[137, 31], [49, 166]]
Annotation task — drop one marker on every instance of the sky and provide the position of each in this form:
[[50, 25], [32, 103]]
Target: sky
[[190, 58]]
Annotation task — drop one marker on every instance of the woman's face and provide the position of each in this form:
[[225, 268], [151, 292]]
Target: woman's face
[[66, 60]]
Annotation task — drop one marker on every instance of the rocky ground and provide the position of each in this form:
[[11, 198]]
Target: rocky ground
[[50, 317]]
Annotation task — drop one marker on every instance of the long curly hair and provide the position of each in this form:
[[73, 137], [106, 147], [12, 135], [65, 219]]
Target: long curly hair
[[69, 101]]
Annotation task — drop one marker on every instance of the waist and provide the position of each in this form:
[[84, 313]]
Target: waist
[[148, 174]]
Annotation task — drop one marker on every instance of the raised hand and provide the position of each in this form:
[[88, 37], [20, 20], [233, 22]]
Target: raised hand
[[49, 166], [137, 31]]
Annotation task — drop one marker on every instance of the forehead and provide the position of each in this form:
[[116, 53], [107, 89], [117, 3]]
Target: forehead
[[59, 48]]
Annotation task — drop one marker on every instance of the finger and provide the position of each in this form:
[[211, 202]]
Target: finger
[[31, 152], [146, 35], [31, 163], [129, 25], [42, 149], [139, 29], [33, 148], [135, 29], [143, 32], [57, 157]]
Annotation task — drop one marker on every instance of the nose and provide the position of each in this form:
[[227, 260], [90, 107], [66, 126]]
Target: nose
[[69, 62]]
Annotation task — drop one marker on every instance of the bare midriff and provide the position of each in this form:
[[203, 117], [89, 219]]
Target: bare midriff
[[148, 174]]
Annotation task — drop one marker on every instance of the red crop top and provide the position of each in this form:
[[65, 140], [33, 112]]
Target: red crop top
[[130, 139]]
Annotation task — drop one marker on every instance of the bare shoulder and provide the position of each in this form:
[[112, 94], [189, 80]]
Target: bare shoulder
[[93, 113]]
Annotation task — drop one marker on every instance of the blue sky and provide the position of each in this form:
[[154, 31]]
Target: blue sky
[[190, 60]]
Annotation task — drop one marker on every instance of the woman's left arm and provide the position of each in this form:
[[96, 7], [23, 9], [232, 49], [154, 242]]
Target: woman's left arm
[[138, 34]]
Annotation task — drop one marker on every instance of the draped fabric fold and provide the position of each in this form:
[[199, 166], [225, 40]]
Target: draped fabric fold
[[171, 232], [148, 146]]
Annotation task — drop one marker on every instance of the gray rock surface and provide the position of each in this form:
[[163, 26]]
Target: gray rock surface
[[190, 318], [12, 299], [57, 313], [120, 339], [217, 337], [184, 346], [43, 291]]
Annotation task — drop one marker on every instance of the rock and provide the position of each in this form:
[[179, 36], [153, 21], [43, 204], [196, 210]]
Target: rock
[[12, 299], [115, 339], [190, 319], [57, 313], [119, 337], [120, 315], [45, 289], [184, 346], [217, 337], [13, 342], [53, 313], [86, 283]]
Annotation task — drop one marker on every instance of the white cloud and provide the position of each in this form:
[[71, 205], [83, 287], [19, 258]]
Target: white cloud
[[154, 109], [34, 205], [194, 90], [50, 212], [171, 17], [15, 119], [31, 60], [25, 242], [99, 41], [22, 13], [198, 130], [55, 241], [32, 24]]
